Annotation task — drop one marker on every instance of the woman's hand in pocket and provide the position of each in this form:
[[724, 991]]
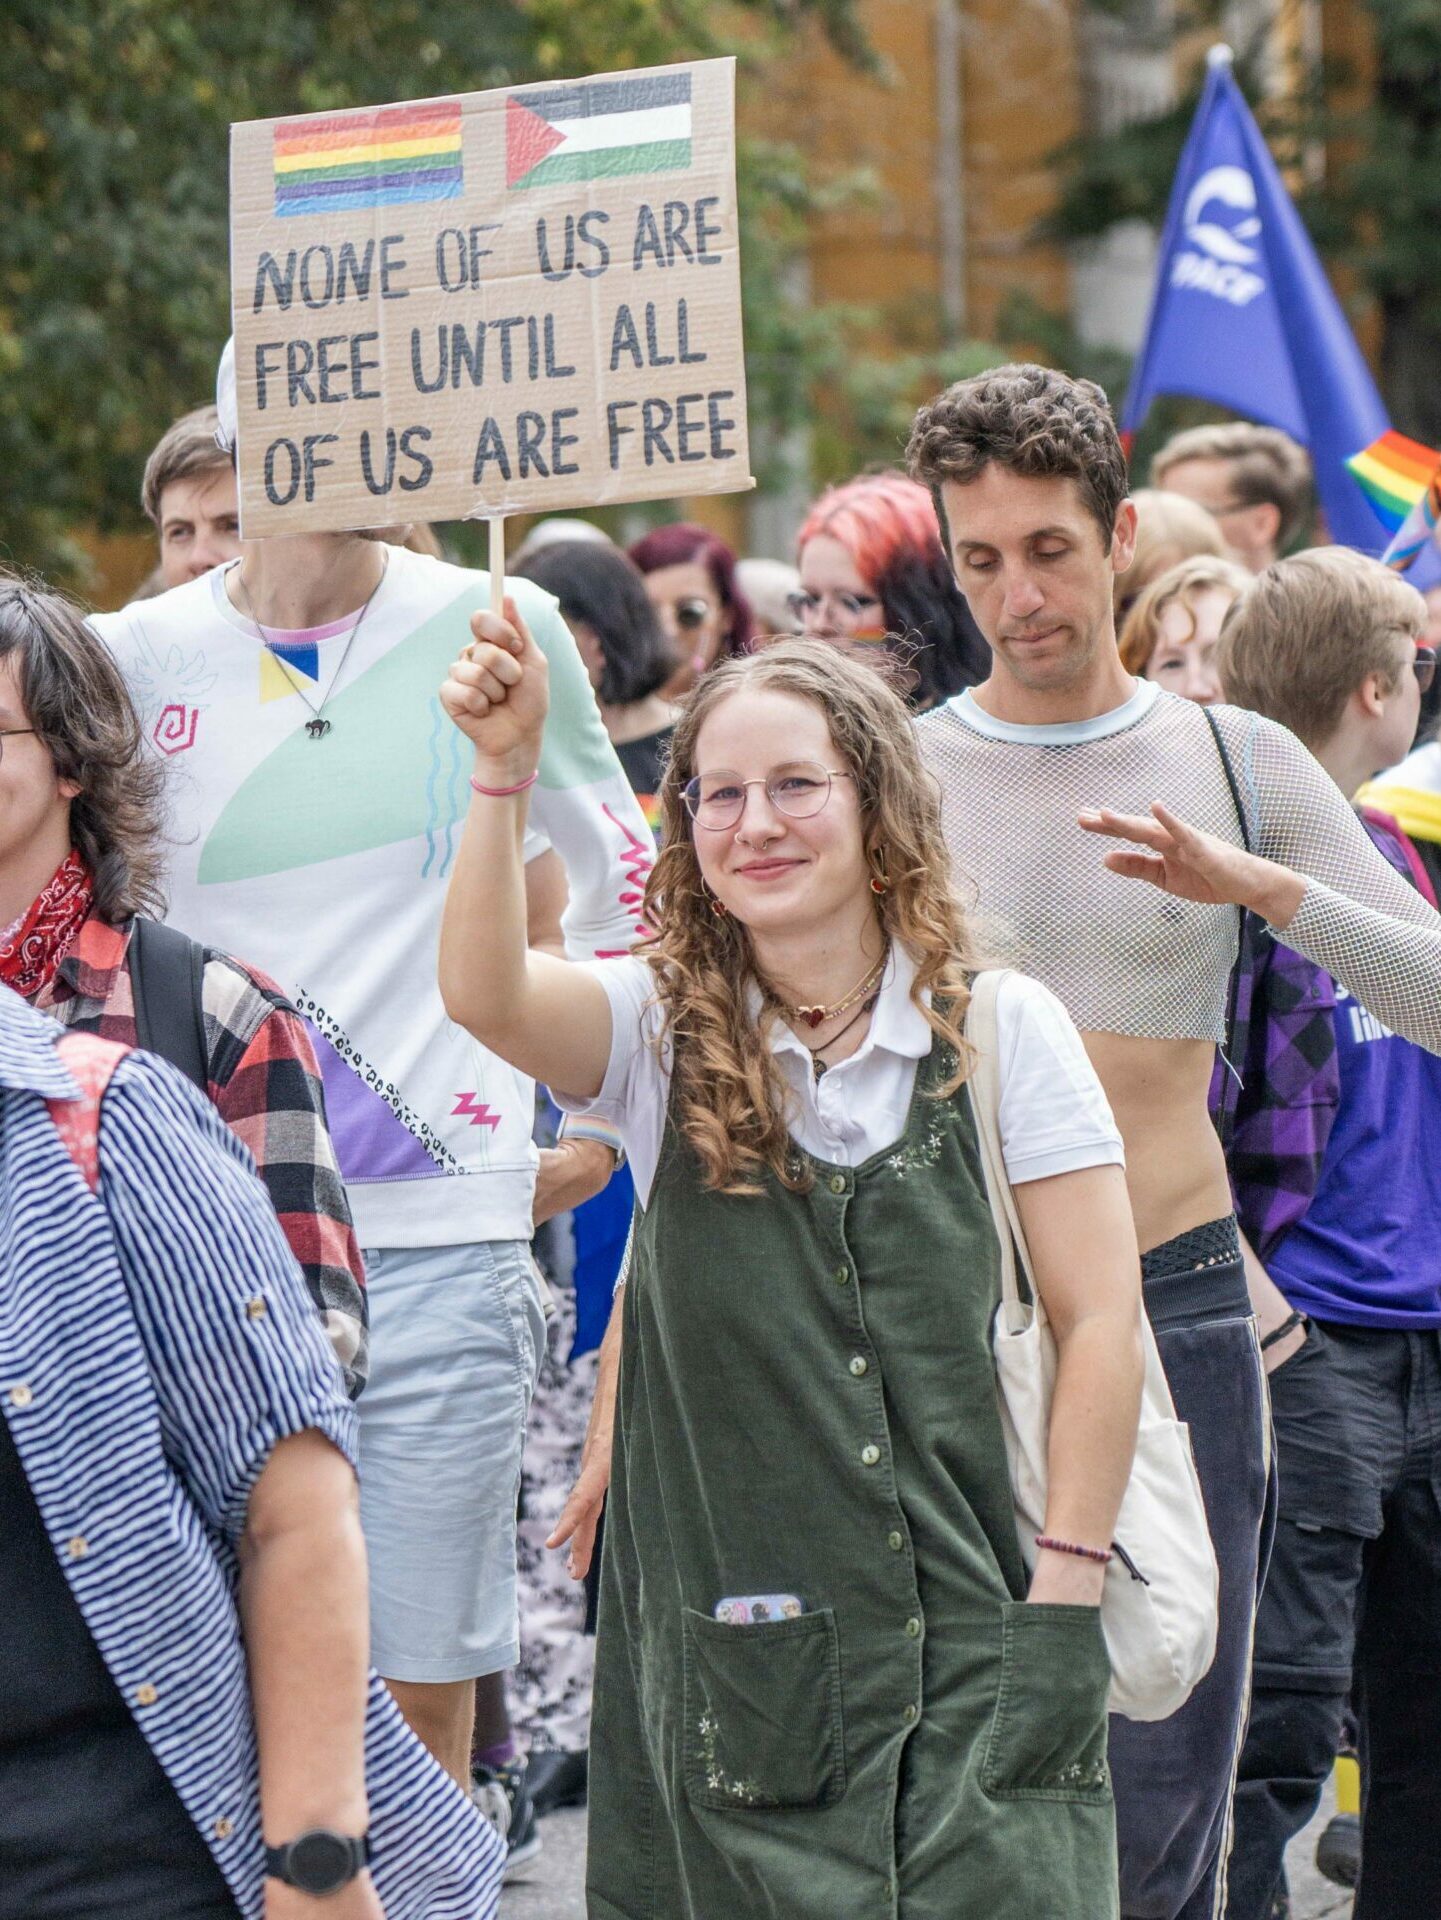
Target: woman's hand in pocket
[[1066, 1580]]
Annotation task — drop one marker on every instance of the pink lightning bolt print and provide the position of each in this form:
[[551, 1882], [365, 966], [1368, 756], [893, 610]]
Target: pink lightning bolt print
[[479, 1116]]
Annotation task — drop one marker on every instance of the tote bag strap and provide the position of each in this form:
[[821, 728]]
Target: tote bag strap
[[985, 1089]]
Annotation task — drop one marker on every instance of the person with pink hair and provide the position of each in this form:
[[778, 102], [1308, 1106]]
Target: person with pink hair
[[874, 571], [690, 575]]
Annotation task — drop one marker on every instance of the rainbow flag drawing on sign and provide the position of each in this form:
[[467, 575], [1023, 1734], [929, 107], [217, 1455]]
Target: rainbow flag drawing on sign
[[335, 162], [598, 130]]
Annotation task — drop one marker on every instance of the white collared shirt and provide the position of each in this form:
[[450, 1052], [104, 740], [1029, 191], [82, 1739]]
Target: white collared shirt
[[1054, 1116]]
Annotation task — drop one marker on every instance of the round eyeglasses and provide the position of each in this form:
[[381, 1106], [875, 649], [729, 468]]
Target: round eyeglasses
[[8, 733], [717, 800], [1425, 664], [691, 614], [845, 606]]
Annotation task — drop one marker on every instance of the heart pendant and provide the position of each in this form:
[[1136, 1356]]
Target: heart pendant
[[812, 1016]]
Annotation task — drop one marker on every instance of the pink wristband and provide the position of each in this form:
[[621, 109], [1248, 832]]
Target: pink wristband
[[1101, 1554], [504, 793]]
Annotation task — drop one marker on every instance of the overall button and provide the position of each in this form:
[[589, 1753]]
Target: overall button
[[860, 1365], [908, 1712], [895, 1541], [838, 1183], [869, 1456], [841, 1275], [913, 1629]]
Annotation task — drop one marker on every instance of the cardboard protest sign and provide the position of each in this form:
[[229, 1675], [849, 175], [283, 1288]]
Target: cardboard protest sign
[[498, 303]]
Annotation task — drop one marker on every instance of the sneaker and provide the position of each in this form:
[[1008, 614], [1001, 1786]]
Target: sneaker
[[1338, 1851], [556, 1780], [500, 1793]]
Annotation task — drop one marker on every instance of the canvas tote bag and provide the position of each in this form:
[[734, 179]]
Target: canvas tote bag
[[1159, 1602]]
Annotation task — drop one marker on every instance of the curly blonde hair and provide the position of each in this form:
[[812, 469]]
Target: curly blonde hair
[[730, 1098]]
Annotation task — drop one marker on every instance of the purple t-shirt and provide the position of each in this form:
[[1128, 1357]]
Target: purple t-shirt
[[1367, 1251]]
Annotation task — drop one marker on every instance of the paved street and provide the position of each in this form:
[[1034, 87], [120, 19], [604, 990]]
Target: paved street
[[553, 1889]]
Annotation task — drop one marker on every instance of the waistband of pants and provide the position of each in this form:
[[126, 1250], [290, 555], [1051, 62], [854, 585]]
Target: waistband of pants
[[1196, 1278]]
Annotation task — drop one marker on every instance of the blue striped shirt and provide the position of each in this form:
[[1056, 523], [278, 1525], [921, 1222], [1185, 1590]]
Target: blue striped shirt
[[155, 1344]]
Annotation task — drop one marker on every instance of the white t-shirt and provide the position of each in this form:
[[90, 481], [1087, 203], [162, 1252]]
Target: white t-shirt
[[1054, 1116], [326, 861]]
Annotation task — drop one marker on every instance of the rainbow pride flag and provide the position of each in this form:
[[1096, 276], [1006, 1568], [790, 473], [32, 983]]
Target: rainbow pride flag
[[1394, 474], [336, 162]]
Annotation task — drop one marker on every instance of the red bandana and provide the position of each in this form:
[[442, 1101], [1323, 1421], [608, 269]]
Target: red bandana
[[32, 949]]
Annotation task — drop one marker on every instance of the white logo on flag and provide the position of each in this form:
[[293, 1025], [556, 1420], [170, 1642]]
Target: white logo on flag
[[1221, 254]]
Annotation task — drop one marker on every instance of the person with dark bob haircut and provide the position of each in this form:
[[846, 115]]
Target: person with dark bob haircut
[[81, 851], [874, 571], [690, 576], [604, 603]]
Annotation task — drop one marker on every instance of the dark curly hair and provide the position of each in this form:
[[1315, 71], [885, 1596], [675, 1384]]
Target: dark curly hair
[[77, 701], [1032, 421]]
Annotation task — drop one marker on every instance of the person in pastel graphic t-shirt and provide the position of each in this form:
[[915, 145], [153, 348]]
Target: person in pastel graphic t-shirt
[[317, 794], [1326, 643]]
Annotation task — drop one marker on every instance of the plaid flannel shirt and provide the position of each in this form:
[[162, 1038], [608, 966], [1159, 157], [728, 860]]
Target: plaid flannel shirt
[[1290, 1076], [263, 1078]]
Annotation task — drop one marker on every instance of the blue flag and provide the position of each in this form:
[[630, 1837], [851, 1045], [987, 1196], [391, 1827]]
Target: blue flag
[[1244, 316]]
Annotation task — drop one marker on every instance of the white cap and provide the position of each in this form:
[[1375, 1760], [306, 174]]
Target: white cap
[[228, 431]]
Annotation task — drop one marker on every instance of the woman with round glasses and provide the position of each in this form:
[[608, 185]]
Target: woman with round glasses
[[690, 576], [825, 1684], [874, 571]]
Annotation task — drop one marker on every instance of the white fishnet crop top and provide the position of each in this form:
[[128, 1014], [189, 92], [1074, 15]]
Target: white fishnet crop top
[[1121, 956]]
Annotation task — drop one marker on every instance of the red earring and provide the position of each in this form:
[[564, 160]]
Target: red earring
[[879, 882]]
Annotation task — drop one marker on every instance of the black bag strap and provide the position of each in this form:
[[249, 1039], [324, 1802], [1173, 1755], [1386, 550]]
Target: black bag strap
[[167, 978], [1226, 1119]]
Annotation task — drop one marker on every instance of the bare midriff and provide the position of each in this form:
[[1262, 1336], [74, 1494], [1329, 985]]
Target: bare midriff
[[1174, 1166]]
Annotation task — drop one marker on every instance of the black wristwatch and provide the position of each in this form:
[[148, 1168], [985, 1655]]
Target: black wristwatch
[[319, 1861]]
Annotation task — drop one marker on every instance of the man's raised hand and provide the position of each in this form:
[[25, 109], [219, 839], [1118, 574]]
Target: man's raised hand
[[497, 693]]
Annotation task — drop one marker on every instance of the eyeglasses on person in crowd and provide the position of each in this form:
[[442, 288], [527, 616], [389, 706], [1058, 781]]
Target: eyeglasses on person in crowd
[[850, 606], [1425, 667], [691, 613], [717, 800], [7, 733]]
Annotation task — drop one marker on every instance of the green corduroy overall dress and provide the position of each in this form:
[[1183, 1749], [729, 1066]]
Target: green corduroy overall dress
[[808, 1406]]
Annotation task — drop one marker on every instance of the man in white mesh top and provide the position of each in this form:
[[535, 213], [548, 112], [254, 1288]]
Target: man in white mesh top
[[1059, 746]]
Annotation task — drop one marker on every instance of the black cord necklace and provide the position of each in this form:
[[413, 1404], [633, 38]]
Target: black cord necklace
[[317, 726], [819, 1066]]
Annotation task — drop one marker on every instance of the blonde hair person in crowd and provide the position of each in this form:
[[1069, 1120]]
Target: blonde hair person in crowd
[[1169, 528], [1172, 631], [1254, 481], [1219, 810], [768, 585], [821, 1678]]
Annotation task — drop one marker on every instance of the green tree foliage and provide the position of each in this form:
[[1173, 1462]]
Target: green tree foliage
[[113, 183]]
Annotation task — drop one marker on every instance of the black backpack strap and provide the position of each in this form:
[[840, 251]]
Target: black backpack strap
[[1226, 1119], [167, 978]]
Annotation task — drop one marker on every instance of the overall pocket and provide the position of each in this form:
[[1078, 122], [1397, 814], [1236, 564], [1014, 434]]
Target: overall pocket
[[763, 1724], [1047, 1738]]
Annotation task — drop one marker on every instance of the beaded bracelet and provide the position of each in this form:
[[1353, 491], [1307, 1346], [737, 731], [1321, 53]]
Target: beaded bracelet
[[1102, 1554], [504, 793]]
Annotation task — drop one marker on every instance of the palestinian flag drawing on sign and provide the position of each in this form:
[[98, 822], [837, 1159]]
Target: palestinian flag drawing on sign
[[598, 130]]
